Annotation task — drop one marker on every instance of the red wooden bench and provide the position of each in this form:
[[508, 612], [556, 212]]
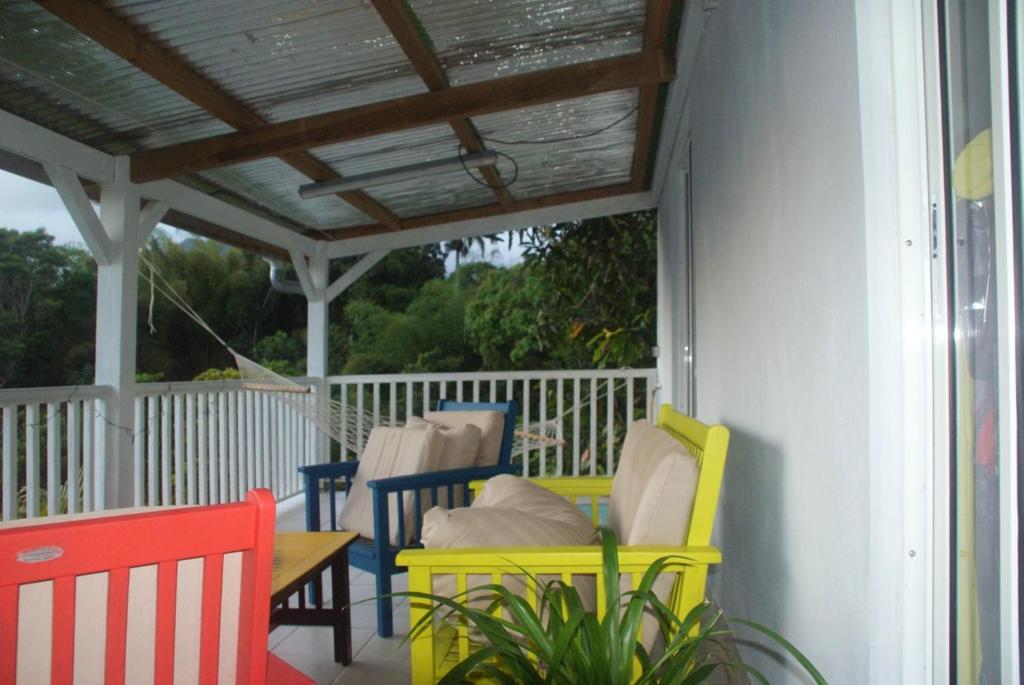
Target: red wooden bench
[[63, 552]]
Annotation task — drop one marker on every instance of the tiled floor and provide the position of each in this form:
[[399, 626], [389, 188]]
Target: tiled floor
[[310, 649]]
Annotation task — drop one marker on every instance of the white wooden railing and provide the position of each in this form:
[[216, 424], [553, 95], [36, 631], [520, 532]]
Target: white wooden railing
[[209, 442], [54, 447], [588, 410]]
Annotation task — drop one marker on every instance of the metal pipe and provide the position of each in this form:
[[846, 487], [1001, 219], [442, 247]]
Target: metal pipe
[[279, 283], [412, 171]]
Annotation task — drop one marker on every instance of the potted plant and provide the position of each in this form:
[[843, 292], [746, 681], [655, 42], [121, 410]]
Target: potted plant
[[561, 643]]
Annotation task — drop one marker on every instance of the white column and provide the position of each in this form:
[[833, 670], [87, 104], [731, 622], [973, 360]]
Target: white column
[[317, 320], [116, 302]]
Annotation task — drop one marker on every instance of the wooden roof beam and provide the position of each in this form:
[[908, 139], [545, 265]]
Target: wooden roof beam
[[413, 111], [127, 42], [654, 39], [395, 14]]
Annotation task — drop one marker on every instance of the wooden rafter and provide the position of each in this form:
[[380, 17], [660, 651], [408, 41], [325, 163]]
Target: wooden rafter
[[124, 40], [519, 205], [396, 15], [413, 111], [654, 39]]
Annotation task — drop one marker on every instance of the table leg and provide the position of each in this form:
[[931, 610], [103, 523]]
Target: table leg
[[342, 611]]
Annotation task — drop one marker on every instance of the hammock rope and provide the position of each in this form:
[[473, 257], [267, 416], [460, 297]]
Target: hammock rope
[[336, 419]]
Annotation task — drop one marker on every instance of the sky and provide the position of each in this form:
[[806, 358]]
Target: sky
[[26, 205]]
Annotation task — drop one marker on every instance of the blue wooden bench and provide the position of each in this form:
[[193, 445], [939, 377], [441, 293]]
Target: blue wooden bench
[[377, 556]]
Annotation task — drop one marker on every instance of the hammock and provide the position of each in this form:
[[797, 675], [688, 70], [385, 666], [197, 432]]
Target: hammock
[[340, 422]]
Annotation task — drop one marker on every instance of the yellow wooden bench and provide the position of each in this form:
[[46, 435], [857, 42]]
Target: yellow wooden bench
[[439, 647]]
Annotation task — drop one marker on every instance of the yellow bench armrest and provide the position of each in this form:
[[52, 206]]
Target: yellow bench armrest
[[569, 486], [549, 559]]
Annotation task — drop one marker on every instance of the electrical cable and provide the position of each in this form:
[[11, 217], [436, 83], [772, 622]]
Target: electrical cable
[[505, 184], [563, 139]]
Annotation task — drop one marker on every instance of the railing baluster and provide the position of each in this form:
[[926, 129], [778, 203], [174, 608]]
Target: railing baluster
[[543, 426], [203, 474], [74, 446], [32, 460], [393, 402], [576, 426], [10, 464], [610, 427], [560, 425], [152, 438], [179, 449], [165, 450], [376, 404], [190, 448], [222, 447], [232, 431], [359, 420], [526, 426], [53, 470], [592, 401], [88, 453]]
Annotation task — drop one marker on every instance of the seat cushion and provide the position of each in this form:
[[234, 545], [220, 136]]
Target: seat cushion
[[532, 520], [390, 452], [642, 451], [490, 423], [461, 443]]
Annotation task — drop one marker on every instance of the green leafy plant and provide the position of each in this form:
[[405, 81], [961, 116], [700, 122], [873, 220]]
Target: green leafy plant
[[561, 643]]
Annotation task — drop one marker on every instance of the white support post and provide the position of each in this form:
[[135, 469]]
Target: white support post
[[313, 276], [116, 297]]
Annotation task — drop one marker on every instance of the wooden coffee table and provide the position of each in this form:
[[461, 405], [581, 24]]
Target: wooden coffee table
[[299, 559]]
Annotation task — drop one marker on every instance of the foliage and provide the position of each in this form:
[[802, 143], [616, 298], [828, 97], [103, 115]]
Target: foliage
[[427, 336], [600, 289], [583, 296], [228, 374], [145, 377], [559, 642], [44, 289]]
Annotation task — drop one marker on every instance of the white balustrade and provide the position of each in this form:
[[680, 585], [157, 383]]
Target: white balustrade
[[209, 442], [583, 414], [53, 450]]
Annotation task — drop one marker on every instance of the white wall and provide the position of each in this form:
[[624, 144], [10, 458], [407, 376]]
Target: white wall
[[782, 320]]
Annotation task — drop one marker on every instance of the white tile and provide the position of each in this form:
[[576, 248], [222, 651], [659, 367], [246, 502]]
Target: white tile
[[278, 634]]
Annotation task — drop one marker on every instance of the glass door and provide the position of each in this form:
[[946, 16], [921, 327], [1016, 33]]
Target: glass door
[[980, 293]]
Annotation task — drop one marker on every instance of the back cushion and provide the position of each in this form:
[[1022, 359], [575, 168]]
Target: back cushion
[[643, 449], [461, 443], [490, 423], [390, 452], [662, 517]]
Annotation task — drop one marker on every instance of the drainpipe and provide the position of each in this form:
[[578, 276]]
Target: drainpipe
[[279, 283]]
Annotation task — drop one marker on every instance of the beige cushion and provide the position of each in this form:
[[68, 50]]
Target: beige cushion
[[663, 518], [512, 492], [490, 423], [461, 443], [644, 447], [390, 452], [510, 512]]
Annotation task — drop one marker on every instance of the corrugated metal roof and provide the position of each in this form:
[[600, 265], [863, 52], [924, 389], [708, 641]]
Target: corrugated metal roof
[[478, 40], [568, 162], [283, 58], [290, 58]]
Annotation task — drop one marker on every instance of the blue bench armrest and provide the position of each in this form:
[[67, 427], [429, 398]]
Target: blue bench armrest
[[312, 475], [421, 485]]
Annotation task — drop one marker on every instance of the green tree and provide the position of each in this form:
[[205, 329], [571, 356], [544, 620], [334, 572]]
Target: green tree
[[44, 288]]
